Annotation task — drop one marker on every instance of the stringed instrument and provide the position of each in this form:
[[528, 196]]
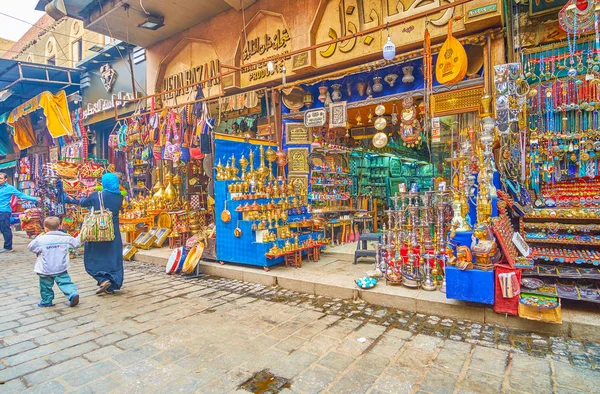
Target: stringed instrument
[[452, 63]]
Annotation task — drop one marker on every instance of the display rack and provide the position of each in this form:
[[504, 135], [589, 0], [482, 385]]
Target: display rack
[[565, 252]]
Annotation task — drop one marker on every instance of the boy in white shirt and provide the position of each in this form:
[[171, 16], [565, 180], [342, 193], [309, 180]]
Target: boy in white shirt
[[52, 249]]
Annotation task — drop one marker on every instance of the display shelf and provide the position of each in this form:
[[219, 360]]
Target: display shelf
[[331, 185], [562, 242], [570, 272], [331, 172], [570, 292]]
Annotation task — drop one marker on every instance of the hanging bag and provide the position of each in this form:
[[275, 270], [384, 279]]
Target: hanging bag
[[98, 225]]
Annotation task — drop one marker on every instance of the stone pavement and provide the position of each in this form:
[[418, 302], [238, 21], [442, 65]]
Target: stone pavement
[[209, 335]]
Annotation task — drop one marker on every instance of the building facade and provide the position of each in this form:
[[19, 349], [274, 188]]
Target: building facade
[[62, 43]]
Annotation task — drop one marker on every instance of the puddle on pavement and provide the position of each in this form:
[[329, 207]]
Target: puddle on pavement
[[264, 382]]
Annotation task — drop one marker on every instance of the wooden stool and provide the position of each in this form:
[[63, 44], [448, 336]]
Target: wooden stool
[[175, 241], [310, 254]]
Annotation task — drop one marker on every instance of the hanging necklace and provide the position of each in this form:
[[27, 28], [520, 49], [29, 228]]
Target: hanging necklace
[[572, 47]]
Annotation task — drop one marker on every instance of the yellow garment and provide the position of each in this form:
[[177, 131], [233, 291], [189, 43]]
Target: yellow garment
[[24, 135], [56, 110]]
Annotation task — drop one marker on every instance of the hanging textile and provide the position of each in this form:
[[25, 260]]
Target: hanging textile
[[23, 133], [56, 110]]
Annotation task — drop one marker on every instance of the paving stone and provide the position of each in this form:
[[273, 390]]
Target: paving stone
[[314, 380], [489, 360], [136, 341], [353, 382], [133, 356], [55, 371], [290, 344], [439, 382], [172, 355], [14, 386], [424, 342], [450, 360], [103, 353], [16, 349], [291, 365], [372, 363], [398, 379], [388, 346], [91, 373], [74, 351], [529, 382], [50, 387], [480, 382], [578, 378], [22, 369], [29, 355], [336, 361]]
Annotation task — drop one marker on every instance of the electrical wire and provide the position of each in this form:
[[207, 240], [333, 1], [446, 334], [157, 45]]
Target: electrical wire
[[47, 30], [141, 5], [118, 50]]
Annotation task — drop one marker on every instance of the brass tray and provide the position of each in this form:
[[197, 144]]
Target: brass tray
[[294, 98]]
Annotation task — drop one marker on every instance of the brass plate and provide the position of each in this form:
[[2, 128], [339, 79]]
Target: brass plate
[[294, 99]]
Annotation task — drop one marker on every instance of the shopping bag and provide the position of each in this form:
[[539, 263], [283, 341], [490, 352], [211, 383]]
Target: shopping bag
[[98, 225]]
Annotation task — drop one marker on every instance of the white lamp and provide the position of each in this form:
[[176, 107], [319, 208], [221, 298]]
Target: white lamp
[[270, 66], [389, 49]]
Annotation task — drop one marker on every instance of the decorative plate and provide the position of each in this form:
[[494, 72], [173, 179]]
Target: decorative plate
[[366, 282], [294, 99], [539, 301], [316, 161], [532, 283]]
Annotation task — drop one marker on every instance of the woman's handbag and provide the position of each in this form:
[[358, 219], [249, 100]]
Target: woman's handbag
[[98, 225]]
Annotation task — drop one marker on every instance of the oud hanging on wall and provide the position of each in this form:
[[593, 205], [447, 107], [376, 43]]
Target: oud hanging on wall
[[451, 65]]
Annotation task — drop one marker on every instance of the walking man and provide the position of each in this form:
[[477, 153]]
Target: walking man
[[6, 193]]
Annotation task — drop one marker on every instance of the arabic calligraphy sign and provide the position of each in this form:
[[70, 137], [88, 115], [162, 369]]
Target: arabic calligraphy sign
[[297, 134], [315, 117], [267, 36], [338, 18]]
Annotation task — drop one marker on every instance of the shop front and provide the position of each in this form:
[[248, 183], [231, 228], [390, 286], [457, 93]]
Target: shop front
[[358, 133]]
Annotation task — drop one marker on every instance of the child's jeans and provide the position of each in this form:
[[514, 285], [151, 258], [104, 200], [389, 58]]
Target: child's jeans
[[64, 284]]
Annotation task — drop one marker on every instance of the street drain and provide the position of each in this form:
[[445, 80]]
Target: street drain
[[264, 382]]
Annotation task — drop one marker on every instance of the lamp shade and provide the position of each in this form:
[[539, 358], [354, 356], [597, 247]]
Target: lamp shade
[[389, 49]]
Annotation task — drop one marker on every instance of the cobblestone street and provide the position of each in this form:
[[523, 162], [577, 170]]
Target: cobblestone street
[[209, 335]]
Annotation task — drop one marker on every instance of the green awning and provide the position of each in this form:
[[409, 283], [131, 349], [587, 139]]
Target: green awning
[[8, 164]]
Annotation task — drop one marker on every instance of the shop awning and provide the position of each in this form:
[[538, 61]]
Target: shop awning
[[21, 81], [8, 164]]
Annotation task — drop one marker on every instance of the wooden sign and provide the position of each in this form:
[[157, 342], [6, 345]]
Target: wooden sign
[[266, 35], [298, 160], [297, 134], [190, 61], [315, 117]]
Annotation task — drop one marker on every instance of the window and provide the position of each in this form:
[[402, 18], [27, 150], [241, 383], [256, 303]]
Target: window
[[51, 60], [77, 48]]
